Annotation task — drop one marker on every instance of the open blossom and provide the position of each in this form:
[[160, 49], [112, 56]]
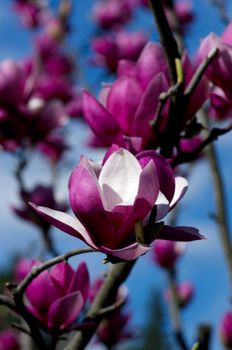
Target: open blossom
[[110, 49], [166, 253], [185, 293], [32, 13], [9, 340], [226, 330], [110, 199], [128, 105], [56, 297], [40, 195], [25, 119], [111, 13], [219, 71], [115, 329]]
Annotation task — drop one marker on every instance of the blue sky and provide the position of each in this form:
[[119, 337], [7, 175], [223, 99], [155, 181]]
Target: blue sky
[[203, 263]]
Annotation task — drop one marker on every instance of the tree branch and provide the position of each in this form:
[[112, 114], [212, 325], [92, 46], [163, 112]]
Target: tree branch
[[36, 270], [166, 37], [114, 279]]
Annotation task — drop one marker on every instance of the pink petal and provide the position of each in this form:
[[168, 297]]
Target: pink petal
[[103, 123], [41, 293], [162, 207], [126, 68], [61, 275], [64, 311], [151, 62], [128, 253], [179, 233], [123, 101], [148, 106], [164, 171], [87, 200], [80, 281], [65, 222]]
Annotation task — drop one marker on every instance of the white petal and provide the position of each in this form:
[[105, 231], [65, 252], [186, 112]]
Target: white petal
[[181, 187], [162, 206], [119, 179]]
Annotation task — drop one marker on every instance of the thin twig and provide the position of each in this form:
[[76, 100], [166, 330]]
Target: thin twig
[[185, 157], [174, 308], [108, 309], [6, 301], [36, 270], [221, 208], [200, 72]]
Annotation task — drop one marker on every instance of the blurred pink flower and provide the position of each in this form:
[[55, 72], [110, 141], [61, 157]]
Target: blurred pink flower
[[185, 293], [110, 49], [56, 297], [111, 13], [128, 105], [225, 330], [166, 253], [9, 340]]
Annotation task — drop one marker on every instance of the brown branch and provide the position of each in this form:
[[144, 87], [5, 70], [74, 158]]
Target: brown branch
[[108, 309], [220, 198], [185, 157], [200, 72], [36, 270], [114, 279], [174, 309], [6, 301], [166, 37]]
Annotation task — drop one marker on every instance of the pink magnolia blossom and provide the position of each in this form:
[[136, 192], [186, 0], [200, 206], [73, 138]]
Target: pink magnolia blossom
[[185, 293], [123, 45], [166, 253], [32, 14], [128, 105], [40, 195], [109, 200], [226, 330], [9, 340], [184, 13], [115, 329], [25, 119], [219, 72], [111, 13], [56, 297], [21, 269]]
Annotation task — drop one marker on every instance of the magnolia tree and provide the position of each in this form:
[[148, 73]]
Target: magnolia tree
[[158, 113]]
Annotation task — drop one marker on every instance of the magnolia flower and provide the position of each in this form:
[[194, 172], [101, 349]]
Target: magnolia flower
[[109, 14], [184, 292], [226, 330], [220, 69], [40, 195], [110, 49], [56, 297], [166, 253], [9, 340], [110, 200], [115, 329], [127, 106]]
